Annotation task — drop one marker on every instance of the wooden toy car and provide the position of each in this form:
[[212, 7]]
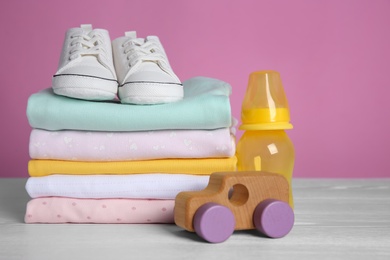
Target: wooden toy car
[[236, 201]]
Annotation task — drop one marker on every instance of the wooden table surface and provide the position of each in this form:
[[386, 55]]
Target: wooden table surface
[[334, 219]]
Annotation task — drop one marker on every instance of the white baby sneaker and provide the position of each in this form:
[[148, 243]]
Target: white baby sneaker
[[144, 73], [86, 69]]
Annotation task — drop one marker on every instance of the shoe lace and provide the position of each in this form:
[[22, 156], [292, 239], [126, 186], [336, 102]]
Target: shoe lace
[[83, 44], [139, 50]]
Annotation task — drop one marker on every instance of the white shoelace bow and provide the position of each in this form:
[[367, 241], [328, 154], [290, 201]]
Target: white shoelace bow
[[83, 44], [138, 50]]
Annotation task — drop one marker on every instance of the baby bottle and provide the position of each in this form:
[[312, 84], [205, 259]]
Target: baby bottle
[[265, 115]]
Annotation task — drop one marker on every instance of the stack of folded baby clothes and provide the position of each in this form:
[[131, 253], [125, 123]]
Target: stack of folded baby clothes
[[111, 162]]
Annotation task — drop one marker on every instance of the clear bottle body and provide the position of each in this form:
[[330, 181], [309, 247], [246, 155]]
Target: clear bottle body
[[267, 150]]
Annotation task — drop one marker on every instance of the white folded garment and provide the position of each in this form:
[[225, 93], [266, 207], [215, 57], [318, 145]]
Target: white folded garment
[[136, 186]]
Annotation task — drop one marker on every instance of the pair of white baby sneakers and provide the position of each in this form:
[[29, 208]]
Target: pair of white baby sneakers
[[136, 70]]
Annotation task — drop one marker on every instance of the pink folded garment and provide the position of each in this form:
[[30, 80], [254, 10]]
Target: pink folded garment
[[121, 211], [125, 146]]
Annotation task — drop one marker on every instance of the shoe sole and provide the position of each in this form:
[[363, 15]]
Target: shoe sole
[[85, 87], [150, 93]]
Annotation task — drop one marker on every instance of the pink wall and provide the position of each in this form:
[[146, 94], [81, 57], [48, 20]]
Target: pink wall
[[333, 56]]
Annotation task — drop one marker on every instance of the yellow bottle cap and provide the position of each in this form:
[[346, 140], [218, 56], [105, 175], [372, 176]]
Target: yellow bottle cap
[[265, 104]]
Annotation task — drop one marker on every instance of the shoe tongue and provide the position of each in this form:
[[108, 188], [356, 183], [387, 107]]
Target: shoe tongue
[[87, 28], [131, 35]]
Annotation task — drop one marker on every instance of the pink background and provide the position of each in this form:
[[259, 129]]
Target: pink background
[[333, 56]]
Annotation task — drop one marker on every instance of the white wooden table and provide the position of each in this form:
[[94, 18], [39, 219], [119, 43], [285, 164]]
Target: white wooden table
[[335, 219]]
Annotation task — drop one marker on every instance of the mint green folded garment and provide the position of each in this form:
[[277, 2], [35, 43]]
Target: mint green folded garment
[[205, 105]]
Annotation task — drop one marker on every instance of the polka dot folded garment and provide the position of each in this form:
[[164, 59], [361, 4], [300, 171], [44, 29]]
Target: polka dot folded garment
[[107, 162], [71, 210]]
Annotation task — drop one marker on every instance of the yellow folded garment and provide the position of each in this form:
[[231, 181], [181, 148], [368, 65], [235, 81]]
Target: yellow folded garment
[[38, 168]]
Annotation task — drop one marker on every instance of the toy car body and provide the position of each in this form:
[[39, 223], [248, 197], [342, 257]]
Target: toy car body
[[236, 201]]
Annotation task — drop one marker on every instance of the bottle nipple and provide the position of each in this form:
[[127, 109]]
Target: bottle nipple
[[265, 105]]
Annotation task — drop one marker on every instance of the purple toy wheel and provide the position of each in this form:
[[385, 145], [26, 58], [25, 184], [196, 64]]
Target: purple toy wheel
[[214, 223], [273, 218]]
